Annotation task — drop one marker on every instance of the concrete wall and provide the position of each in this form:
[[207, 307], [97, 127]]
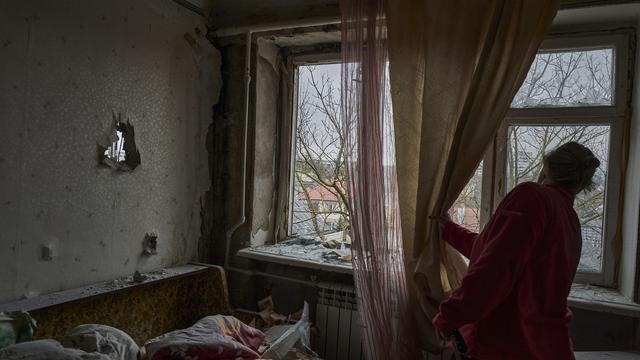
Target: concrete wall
[[266, 143], [600, 331], [65, 67], [226, 158], [631, 211]]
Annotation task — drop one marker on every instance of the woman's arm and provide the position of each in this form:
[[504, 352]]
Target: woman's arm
[[491, 278], [460, 238]]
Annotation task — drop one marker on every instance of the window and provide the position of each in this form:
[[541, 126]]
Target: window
[[319, 201], [568, 78], [526, 147], [467, 208], [576, 90]]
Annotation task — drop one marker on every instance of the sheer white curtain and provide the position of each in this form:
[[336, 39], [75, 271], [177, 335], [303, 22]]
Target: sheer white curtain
[[378, 261]]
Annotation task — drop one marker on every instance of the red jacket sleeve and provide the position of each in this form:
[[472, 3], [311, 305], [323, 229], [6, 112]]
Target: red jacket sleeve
[[512, 233], [460, 238]]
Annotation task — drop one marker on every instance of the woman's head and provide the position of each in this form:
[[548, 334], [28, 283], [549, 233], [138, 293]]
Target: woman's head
[[571, 166]]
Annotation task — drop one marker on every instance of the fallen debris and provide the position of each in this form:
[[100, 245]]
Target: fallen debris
[[15, 327], [338, 254], [292, 341], [315, 253], [135, 279], [332, 244], [138, 277]]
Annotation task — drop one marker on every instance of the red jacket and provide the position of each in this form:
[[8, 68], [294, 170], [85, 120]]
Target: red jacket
[[512, 303]]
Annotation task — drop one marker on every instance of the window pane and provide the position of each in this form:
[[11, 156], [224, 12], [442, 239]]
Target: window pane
[[319, 194], [528, 144], [466, 210], [568, 79]]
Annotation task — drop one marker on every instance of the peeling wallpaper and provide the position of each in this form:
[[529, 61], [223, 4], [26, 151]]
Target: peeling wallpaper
[[65, 68]]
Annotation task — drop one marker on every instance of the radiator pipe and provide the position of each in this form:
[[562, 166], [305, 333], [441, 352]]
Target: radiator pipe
[[248, 31], [245, 132]]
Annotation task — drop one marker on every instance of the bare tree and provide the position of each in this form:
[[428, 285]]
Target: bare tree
[[572, 78], [561, 79], [320, 146], [566, 79]]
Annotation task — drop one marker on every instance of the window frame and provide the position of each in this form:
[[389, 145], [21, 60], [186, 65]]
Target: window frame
[[494, 178], [296, 62], [494, 172]]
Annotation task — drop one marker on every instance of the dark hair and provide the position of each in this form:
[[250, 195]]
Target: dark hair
[[571, 166]]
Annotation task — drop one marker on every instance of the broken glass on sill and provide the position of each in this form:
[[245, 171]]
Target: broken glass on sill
[[305, 252]]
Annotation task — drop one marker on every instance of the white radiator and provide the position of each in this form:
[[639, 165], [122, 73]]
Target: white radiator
[[339, 327], [338, 323]]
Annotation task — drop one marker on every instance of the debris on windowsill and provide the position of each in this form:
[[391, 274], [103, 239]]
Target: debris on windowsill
[[340, 254], [313, 254], [332, 244], [598, 294], [301, 240], [596, 298]]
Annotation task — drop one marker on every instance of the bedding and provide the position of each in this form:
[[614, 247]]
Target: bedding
[[15, 327], [103, 339], [46, 350], [213, 337]]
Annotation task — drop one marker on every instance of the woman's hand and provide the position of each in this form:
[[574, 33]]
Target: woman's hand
[[442, 220]]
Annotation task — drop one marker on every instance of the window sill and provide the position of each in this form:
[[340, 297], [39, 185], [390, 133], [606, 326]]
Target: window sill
[[586, 297], [607, 355], [595, 298], [306, 256]]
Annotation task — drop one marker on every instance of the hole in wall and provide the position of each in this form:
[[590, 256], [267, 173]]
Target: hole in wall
[[150, 244], [121, 153]]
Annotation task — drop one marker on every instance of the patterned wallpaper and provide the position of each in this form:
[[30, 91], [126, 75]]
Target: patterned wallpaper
[[65, 68], [143, 311]]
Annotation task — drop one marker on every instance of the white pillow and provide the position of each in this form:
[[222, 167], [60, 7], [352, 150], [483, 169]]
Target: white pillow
[[45, 350], [107, 340]]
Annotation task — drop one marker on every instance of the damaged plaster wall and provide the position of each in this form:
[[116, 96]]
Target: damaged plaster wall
[[266, 143], [631, 212], [65, 67]]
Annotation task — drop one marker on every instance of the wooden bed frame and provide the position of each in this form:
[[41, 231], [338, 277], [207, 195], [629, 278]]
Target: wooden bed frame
[[175, 299]]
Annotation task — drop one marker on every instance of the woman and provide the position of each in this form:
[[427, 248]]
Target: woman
[[512, 303]]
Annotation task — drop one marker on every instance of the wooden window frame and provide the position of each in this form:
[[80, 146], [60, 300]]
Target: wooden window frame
[[495, 162], [296, 62]]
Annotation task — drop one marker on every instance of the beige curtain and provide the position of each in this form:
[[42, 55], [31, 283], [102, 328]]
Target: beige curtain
[[455, 65]]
